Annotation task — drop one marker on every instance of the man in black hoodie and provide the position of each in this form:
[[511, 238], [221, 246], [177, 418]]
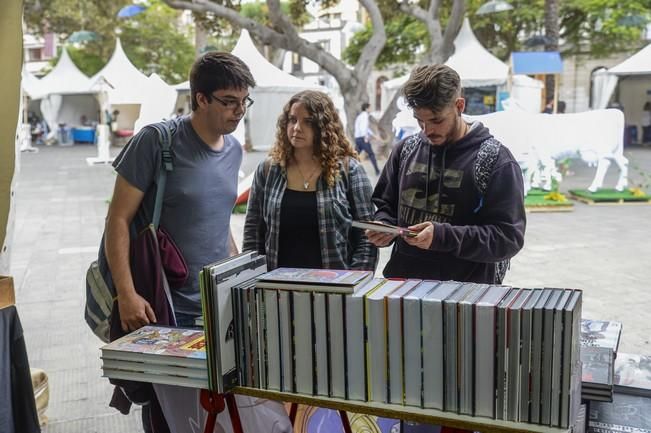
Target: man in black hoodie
[[455, 185]]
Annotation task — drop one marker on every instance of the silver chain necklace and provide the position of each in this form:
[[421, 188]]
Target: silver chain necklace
[[306, 181]]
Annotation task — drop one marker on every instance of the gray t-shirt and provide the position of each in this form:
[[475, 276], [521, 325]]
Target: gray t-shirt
[[199, 197]]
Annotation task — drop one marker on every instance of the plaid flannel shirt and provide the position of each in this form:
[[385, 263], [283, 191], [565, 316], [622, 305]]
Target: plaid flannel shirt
[[342, 246]]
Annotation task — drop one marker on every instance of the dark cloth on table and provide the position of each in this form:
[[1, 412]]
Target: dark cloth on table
[[17, 406]]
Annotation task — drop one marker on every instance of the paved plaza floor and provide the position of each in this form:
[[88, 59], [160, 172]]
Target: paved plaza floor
[[61, 204]]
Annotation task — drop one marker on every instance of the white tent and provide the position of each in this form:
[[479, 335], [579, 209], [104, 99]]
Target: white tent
[[476, 66], [127, 81], [158, 100], [65, 95], [633, 77], [31, 84], [65, 78], [273, 90]]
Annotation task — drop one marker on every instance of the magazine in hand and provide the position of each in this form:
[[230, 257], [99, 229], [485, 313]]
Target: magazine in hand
[[384, 228]]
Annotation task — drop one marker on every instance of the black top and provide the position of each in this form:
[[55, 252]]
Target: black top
[[298, 243]]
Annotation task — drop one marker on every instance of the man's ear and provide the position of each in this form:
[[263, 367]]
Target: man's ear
[[460, 104], [202, 99]]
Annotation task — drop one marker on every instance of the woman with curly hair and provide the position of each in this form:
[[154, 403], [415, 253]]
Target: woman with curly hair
[[308, 191]]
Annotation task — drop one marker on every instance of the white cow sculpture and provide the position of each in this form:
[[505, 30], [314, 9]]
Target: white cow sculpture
[[537, 141]]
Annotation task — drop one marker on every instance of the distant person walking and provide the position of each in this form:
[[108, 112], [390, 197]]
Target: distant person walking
[[363, 134]]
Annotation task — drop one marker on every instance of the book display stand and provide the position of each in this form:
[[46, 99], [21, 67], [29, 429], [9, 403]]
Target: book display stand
[[406, 413]]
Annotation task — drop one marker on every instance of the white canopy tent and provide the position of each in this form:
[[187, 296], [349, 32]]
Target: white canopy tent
[[273, 89], [130, 90], [633, 77], [64, 93], [476, 66]]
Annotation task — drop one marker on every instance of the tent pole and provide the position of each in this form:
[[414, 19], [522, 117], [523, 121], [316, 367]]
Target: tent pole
[[556, 79]]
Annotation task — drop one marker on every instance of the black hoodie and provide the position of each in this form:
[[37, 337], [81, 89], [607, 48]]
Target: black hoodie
[[471, 232]]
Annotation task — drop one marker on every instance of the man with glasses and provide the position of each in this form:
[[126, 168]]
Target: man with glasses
[[199, 195]]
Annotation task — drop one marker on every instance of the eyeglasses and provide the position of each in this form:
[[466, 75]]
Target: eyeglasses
[[232, 104]]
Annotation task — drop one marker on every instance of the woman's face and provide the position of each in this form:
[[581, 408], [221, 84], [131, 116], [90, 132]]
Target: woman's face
[[299, 127]]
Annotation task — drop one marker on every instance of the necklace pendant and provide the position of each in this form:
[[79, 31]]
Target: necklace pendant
[[306, 184]]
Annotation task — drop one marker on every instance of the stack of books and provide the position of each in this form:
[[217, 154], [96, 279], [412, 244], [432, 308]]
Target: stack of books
[[158, 354], [599, 344], [492, 351]]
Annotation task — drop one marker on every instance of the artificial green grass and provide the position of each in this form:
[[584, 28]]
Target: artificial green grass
[[536, 198], [609, 195]]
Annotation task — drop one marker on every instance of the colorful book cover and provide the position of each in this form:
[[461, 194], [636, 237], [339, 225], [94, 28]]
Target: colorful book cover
[[335, 277], [160, 340], [601, 333]]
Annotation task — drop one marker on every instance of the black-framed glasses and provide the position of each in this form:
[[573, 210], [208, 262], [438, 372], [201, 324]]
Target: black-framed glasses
[[232, 104]]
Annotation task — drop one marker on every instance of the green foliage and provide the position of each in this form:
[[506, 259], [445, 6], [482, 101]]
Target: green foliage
[[407, 38], [599, 22], [150, 39], [155, 28]]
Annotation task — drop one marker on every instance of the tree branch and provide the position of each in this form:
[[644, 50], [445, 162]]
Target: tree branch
[[288, 40], [374, 46], [452, 29], [416, 11]]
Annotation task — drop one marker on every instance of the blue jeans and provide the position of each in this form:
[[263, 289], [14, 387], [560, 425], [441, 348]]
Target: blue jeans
[[365, 146], [185, 320]]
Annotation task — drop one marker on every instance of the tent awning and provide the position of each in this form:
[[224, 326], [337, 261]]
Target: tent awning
[[638, 64], [537, 62]]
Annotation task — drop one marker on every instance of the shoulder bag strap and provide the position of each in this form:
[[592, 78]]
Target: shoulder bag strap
[[165, 139]]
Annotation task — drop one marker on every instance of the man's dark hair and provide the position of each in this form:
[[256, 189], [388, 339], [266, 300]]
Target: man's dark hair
[[432, 86], [217, 71], [365, 105], [560, 108]]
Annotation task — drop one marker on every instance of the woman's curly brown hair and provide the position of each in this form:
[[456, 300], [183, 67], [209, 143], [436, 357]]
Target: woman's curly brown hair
[[330, 142]]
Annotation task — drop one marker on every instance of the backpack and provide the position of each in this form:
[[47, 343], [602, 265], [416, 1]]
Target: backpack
[[100, 290], [483, 170]]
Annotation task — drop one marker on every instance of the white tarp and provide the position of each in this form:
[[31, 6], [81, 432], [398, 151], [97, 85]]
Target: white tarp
[[31, 84], [638, 64], [476, 66], [273, 89], [603, 86], [526, 92], [158, 100], [64, 79], [127, 82]]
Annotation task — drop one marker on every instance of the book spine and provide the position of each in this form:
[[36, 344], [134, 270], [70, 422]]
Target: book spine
[[411, 320], [433, 353], [337, 346], [355, 348]]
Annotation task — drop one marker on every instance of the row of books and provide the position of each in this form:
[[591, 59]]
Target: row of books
[[491, 351], [599, 344]]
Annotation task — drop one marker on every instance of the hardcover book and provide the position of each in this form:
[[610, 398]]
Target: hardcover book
[[598, 367], [396, 343], [160, 345], [216, 283], [412, 341], [376, 343], [356, 379], [601, 333], [467, 346], [322, 280], [633, 374], [626, 413], [485, 311]]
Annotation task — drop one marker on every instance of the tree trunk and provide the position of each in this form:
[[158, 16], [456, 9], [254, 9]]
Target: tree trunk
[[441, 48], [552, 32], [352, 83]]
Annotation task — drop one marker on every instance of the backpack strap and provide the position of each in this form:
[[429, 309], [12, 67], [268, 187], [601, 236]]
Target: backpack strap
[[165, 132], [485, 161], [487, 156]]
